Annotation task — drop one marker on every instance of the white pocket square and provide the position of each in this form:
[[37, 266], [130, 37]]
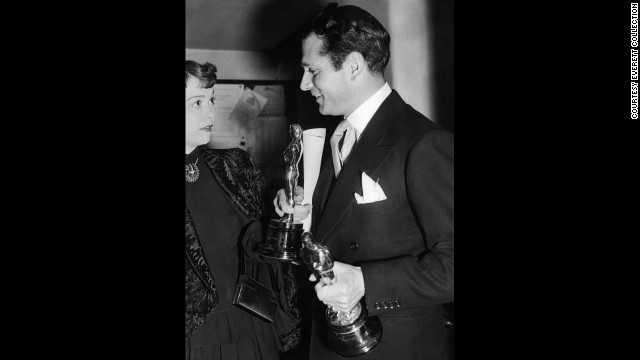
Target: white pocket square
[[371, 191]]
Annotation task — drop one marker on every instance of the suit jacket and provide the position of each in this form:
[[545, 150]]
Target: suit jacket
[[404, 244]]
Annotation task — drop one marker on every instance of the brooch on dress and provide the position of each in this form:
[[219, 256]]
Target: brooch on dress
[[192, 172]]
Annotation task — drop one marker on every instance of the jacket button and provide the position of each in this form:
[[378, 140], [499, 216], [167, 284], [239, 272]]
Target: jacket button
[[353, 246], [377, 306], [385, 305], [391, 305], [397, 303]]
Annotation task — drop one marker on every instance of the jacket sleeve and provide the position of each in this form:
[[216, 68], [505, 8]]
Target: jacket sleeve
[[426, 278]]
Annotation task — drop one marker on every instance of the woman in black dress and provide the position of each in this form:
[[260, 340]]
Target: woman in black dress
[[223, 209]]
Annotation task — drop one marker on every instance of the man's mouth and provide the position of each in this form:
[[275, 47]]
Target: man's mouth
[[207, 128]]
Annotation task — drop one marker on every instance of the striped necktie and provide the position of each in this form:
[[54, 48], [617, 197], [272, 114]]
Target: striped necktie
[[342, 142], [348, 140]]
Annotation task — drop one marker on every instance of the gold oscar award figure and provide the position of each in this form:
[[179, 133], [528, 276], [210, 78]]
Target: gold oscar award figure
[[283, 235], [350, 334]]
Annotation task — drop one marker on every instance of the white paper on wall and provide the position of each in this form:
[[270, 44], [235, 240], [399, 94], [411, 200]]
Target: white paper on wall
[[275, 99], [248, 107], [225, 132], [270, 139], [236, 117]]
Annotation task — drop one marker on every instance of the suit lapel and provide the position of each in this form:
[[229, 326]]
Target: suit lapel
[[370, 152], [323, 186]]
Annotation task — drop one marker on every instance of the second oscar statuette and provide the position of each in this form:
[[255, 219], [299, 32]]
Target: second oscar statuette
[[350, 334]]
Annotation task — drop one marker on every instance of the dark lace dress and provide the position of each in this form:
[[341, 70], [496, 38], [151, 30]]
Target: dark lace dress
[[228, 333]]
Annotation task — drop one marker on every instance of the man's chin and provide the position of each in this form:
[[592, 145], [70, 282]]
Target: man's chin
[[323, 110]]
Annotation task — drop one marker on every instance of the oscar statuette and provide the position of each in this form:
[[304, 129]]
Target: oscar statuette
[[350, 334], [283, 235]]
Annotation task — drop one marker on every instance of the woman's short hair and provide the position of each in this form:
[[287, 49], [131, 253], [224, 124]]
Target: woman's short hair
[[345, 29], [205, 73]]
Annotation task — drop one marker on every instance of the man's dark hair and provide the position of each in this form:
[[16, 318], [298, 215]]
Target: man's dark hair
[[205, 73], [345, 29]]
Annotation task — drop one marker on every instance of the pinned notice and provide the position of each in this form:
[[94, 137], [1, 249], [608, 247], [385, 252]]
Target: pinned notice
[[248, 107]]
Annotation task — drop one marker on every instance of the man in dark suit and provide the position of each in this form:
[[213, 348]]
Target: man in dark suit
[[383, 203]]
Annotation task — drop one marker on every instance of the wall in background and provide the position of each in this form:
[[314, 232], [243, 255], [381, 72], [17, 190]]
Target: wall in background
[[421, 64], [240, 65], [420, 68]]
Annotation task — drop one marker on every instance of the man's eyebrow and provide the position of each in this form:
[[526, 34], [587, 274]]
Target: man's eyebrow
[[195, 96]]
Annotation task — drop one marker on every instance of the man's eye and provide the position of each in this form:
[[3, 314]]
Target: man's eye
[[212, 101], [197, 103]]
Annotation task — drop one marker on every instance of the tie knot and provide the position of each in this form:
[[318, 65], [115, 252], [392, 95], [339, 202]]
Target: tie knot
[[344, 125]]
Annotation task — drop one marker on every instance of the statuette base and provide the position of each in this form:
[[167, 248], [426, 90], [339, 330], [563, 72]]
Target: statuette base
[[283, 241], [357, 338]]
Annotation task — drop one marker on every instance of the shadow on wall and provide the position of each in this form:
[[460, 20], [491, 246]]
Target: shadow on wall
[[282, 17], [288, 54], [440, 19]]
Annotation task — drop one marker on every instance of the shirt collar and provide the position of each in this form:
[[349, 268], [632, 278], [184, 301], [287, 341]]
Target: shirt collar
[[363, 114]]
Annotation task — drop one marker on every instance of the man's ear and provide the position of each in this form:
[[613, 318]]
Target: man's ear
[[355, 64]]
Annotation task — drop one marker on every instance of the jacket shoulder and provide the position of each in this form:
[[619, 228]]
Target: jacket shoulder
[[409, 126]]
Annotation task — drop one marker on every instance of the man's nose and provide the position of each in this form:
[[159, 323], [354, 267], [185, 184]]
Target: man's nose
[[305, 83]]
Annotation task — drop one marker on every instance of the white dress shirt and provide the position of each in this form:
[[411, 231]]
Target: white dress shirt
[[363, 114], [358, 120]]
